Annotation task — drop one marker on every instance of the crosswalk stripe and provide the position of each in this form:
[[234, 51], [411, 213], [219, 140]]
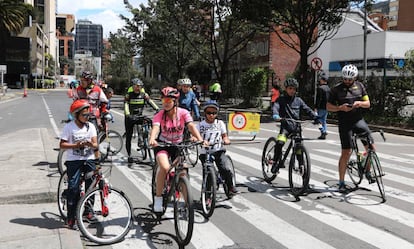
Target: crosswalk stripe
[[336, 219], [205, 234], [284, 233], [384, 164], [390, 191]]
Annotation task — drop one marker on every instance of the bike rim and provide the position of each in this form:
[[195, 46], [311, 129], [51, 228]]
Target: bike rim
[[107, 228]]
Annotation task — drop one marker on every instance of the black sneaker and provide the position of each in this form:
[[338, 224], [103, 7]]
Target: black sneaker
[[130, 160], [342, 188], [275, 168], [323, 136], [370, 178]]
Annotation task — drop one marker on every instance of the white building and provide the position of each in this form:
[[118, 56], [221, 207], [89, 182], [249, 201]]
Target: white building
[[384, 48]]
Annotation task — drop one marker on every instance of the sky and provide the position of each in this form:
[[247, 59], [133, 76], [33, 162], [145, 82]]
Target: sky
[[103, 12]]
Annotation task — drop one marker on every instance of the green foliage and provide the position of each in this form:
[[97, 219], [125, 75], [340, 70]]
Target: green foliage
[[13, 15], [119, 84], [253, 83]]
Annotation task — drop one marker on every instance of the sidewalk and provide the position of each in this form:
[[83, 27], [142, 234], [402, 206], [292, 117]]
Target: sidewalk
[[28, 185]]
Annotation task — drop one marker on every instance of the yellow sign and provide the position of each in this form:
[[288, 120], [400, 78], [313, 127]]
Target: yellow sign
[[244, 121]]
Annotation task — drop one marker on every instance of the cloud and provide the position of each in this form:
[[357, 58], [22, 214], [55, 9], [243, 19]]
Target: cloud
[[104, 12]]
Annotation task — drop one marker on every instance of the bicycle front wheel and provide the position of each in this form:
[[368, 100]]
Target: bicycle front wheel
[[62, 195], [299, 170], [111, 146], [104, 218], [208, 191], [268, 156], [226, 184], [183, 211], [192, 154], [377, 173], [353, 169], [61, 159]]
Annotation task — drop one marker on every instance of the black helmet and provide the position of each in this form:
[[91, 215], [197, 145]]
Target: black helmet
[[87, 75], [291, 82]]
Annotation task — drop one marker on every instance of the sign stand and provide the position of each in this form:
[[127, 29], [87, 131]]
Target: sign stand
[[242, 121], [316, 65]]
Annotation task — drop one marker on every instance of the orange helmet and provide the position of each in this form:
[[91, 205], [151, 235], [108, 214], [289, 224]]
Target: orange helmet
[[78, 105]]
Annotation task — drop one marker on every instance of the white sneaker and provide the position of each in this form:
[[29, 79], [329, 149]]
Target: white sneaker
[[158, 204]]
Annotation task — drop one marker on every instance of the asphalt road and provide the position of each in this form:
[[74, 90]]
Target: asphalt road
[[262, 215]]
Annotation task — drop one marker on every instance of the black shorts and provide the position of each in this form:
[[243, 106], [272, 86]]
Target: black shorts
[[171, 151], [346, 131]]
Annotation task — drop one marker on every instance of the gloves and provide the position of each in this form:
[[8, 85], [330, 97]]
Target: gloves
[[276, 117]]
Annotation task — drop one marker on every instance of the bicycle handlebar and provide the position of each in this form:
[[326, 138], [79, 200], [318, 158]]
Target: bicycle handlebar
[[181, 145]]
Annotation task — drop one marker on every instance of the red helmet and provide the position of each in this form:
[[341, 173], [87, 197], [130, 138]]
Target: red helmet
[[78, 105], [170, 92]]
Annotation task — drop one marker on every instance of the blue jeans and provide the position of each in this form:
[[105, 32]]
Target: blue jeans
[[74, 170], [322, 115]]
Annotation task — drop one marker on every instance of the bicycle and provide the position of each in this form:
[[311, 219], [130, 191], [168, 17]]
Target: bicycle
[[143, 126], [358, 164], [212, 180], [114, 143], [178, 191], [299, 163], [191, 152], [110, 206]]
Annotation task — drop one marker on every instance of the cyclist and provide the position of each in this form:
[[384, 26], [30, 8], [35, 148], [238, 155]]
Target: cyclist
[[79, 138], [188, 98], [95, 95], [214, 132], [168, 126], [215, 91], [348, 98], [322, 96], [134, 103], [288, 106]]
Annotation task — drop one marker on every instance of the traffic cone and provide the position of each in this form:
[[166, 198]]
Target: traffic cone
[[24, 93]]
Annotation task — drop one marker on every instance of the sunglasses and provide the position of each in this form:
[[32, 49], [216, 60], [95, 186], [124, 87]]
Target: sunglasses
[[209, 113], [85, 115], [347, 79], [167, 100]]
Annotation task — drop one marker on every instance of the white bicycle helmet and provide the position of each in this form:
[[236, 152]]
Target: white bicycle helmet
[[349, 71], [185, 81]]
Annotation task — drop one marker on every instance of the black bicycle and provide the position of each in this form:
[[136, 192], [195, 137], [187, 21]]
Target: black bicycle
[[177, 190], [367, 163], [299, 163], [142, 129], [212, 179]]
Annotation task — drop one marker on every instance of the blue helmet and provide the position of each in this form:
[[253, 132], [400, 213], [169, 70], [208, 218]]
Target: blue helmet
[[212, 104]]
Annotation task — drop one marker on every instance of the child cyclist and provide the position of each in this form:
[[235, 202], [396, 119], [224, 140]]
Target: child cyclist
[[214, 132], [79, 139], [288, 106], [168, 126]]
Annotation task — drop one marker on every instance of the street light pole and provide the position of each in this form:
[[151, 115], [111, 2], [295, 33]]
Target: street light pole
[[365, 42]]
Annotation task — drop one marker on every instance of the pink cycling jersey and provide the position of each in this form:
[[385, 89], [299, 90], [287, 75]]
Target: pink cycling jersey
[[172, 131]]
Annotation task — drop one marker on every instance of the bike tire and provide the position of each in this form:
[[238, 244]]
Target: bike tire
[[61, 195], [353, 169], [377, 173], [299, 174], [192, 154], [112, 146], [183, 211], [233, 173], [110, 227], [154, 190], [142, 150], [267, 159], [208, 191], [61, 159]]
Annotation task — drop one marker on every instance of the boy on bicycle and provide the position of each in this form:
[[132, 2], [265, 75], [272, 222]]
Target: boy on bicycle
[[79, 138], [168, 127], [288, 106], [214, 133]]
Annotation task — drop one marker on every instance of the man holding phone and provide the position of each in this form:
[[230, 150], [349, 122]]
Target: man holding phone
[[348, 98]]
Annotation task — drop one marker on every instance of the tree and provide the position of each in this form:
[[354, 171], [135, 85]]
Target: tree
[[252, 84], [122, 51], [13, 16], [304, 25]]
